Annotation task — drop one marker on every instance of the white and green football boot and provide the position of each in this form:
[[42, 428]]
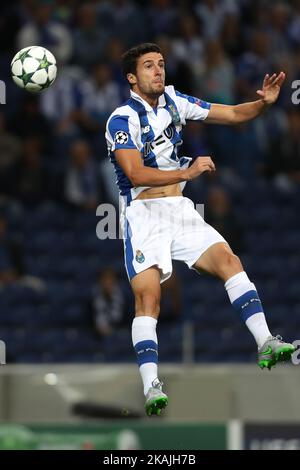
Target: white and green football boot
[[156, 400], [274, 350]]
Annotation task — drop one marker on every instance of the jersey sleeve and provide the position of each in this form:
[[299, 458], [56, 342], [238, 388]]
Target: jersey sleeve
[[192, 108], [121, 133]]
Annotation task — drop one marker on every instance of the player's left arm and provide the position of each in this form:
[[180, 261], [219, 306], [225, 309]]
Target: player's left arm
[[226, 114]]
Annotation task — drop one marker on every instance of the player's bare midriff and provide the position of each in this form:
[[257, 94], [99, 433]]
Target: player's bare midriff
[[161, 191]]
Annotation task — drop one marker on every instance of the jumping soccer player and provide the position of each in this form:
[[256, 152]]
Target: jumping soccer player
[[143, 137]]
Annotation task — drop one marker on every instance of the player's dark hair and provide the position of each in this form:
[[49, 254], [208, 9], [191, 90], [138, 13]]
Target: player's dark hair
[[130, 57]]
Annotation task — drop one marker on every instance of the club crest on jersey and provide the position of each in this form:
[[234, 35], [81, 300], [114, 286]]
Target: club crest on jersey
[[121, 137], [140, 258], [174, 114]]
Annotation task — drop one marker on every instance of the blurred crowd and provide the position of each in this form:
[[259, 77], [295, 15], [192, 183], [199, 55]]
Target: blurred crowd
[[52, 145]]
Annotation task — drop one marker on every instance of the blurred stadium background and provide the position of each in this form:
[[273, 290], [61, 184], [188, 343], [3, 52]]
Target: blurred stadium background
[[65, 304]]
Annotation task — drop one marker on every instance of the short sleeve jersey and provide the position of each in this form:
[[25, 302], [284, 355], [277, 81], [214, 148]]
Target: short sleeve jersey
[[156, 133]]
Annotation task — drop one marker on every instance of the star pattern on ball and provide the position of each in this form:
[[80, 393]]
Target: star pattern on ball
[[44, 64], [26, 77]]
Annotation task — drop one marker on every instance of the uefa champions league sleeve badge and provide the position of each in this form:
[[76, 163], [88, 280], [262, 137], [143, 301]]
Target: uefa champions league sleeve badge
[[121, 137]]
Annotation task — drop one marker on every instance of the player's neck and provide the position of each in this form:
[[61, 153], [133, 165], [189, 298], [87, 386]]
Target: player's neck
[[150, 99]]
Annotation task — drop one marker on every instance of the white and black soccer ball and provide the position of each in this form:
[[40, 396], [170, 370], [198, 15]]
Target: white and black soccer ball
[[34, 68]]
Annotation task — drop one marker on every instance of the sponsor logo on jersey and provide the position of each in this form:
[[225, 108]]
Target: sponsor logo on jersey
[[145, 129], [168, 134]]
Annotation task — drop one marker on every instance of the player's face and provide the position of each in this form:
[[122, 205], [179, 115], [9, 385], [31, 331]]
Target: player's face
[[150, 75]]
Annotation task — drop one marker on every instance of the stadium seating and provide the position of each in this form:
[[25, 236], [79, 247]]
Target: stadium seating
[[62, 250]]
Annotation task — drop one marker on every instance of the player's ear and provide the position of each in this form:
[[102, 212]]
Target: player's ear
[[131, 78]]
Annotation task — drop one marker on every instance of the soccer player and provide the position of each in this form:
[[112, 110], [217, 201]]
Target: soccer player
[[143, 137]]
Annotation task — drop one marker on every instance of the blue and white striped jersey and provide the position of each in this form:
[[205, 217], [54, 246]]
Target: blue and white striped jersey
[[156, 133]]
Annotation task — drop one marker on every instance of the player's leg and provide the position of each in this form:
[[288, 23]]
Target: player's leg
[[220, 261], [147, 291]]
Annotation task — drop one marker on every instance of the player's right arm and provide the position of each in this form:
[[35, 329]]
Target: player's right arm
[[131, 162], [122, 134]]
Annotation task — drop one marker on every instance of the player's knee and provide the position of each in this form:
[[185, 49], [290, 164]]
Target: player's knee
[[147, 303], [230, 265]]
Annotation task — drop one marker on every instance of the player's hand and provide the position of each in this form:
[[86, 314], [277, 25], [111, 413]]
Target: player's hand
[[199, 166], [271, 87]]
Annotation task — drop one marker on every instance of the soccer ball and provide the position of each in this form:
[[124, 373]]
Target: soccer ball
[[33, 68]]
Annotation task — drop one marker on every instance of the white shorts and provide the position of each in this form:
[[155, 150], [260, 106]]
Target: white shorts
[[158, 230]]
